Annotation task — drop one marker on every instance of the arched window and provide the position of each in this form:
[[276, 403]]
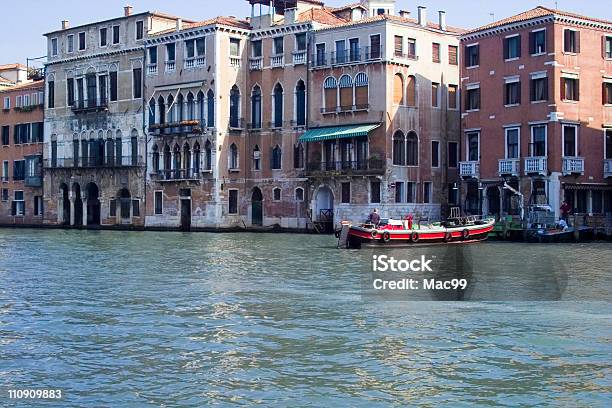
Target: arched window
[[151, 112], [110, 153], [210, 103], [118, 146], [278, 106], [155, 158], [201, 109], [276, 158], [299, 194], [300, 103], [171, 109], [256, 107], [187, 158], [256, 158], [233, 157], [162, 109], [208, 155], [361, 91], [196, 158], [176, 153], [167, 159], [398, 89], [190, 107], [134, 147], [276, 194], [331, 94], [180, 108], [346, 92], [399, 149], [235, 107], [411, 91], [298, 156], [412, 149]]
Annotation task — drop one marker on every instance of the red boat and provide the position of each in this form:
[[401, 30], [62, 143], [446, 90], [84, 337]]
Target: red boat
[[389, 232]]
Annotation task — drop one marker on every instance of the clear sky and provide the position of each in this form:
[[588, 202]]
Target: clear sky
[[23, 23]]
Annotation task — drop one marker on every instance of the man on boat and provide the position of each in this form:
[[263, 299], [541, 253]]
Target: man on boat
[[374, 218], [562, 225], [565, 210]]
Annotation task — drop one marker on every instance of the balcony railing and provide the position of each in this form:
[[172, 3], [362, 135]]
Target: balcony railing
[[359, 55], [195, 62], [469, 169], [347, 108], [277, 61], [237, 124], [371, 166], [607, 168], [408, 56], [152, 69], [256, 63], [573, 165], [177, 174], [94, 162], [299, 57], [90, 105], [33, 180], [234, 61], [536, 165], [170, 66], [176, 128], [509, 167]]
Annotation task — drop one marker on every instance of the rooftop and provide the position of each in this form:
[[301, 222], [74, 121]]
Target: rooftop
[[10, 67], [222, 20], [24, 85]]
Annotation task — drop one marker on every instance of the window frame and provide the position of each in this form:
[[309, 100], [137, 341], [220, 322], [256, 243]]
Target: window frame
[[429, 191], [84, 33], [518, 151], [467, 145], [535, 52], [576, 141], [105, 37], [141, 22], [229, 201], [69, 42], [342, 198], [531, 133], [161, 202], [435, 141], [576, 47], [54, 47], [509, 39], [276, 190], [118, 28], [475, 46], [456, 158]]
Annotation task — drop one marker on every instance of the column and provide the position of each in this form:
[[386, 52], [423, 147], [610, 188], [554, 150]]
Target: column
[[60, 211], [84, 201], [72, 221]]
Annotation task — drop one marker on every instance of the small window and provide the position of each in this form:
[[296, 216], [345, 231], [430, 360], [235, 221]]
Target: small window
[[569, 89], [375, 192], [116, 34], [473, 146], [113, 85], [256, 49], [299, 194], [70, 42], [234, 47], [135, 208], [608, 47], [512, 47], [7, 103], [53, 47], [346, 193], [452, 97], [82, 41], [137, 82], [452, 55], [5, 135], [411, 51], [539, 89], [435, 90], [399, 191], [453, 154], [435, 153], [139, 30], [571, 41], [375, 46], [113, 206], [435, 52], [18, 206], [512, 143], [512, 93], [607, 93], [276, 194], [427, 192], [278, 45], [38, 206], [537, 42], [300, 42], [472, 55], [399, 46], [5, 194], [570, 141], [159, 197], [103, 37], [472, 99], [233, 201]]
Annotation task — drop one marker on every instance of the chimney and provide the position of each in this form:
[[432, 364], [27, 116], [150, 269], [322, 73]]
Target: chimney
[[404, 14], [65, 24], [179, 24], [442, 19], [290, 15], [127, 10], [423, 16]]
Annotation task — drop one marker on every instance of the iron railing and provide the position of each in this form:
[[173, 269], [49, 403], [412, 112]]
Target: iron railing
[[358, 55], [94, 162], [178, 174], [346, 166], [89, 105], [573, 165], [536, 165]]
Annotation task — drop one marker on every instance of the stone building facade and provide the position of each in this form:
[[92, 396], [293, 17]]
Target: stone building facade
[[537, 113], [94, 146]]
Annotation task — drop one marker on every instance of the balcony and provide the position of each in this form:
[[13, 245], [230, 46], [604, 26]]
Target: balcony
[[90, 105], [355, 56], [345, 109], [94, 162], [469, 169], [33, 180], [234, 61], [256, 63], [170, 66], [299, 57], [607, 168], [237, 124], [509, 167], [277, 61], [409, 56], [183, 128], [371, 166], [152, 69], [573, 166], [536, 166], [177, 174], [195, 62]]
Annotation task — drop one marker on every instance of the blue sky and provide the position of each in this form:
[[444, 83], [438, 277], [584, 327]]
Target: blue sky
[[23, 23]]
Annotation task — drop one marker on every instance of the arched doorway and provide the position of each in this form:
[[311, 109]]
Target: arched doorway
[[257, 207], [65, 209], [324, 206], [125, 203], [493, 200], [93, 204], [78, 205]]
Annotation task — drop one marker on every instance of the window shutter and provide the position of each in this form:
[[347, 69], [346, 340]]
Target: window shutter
[[603, 46], [577, 41], [532, 43], [562, 88], [546, 85], [577, 85], [519, 48], [566, 40], [604, 93], [518, 93], [466, 59]]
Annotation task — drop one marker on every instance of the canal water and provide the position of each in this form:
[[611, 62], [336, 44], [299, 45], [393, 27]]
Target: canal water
[[177, 319]]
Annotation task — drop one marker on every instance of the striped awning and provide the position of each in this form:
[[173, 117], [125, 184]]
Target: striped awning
[[586, 186], [337, 132]]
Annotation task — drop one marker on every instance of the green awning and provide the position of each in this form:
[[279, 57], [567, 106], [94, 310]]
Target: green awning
[[337, 132]]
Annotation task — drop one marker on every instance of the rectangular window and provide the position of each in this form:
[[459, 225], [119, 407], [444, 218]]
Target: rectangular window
[[435, 52], [571, 41], [452, 97], [607, 93], [607, 47], [82, 41], [341, 51], [346, 193], [472, 99], [278, 45], [472, 55], [375, 192], [19, 170], [135, 208], [116, 34], [512, 143], [5, 171], [411, 190], [5, 194], [354, 49], [5, 135], [18, 207], [139, 30], [399, 191], [103, 37], [452, 55], [537, 42], [256, 49], [300, 42], [375, 46], [435, 153], [137, 82], [512, 47], [70, 91], [321, 57], [569, 89], [411, 48], [538, 141], [608, 143], [512, 93], [435, 88], [234, 49], [7, 103], [233, 201], [453, 154], [113, 85], [113, 206], [53, 47], [153, 55], [570, 141], [427, 192], [18, 101], [399, 46], [70, 43], [38, 206], [170, 52], [37, 132], [473, 146], [159, 197], [539, 89]]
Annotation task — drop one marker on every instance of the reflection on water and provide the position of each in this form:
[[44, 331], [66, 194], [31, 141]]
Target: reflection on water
[[147, 319]]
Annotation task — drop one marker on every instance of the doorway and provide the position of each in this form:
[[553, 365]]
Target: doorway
[[185, 214], [125, 204], [93, 204], [257, 207]]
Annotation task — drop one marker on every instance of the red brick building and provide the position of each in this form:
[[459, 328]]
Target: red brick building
[[537, 113], [21, 137]]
